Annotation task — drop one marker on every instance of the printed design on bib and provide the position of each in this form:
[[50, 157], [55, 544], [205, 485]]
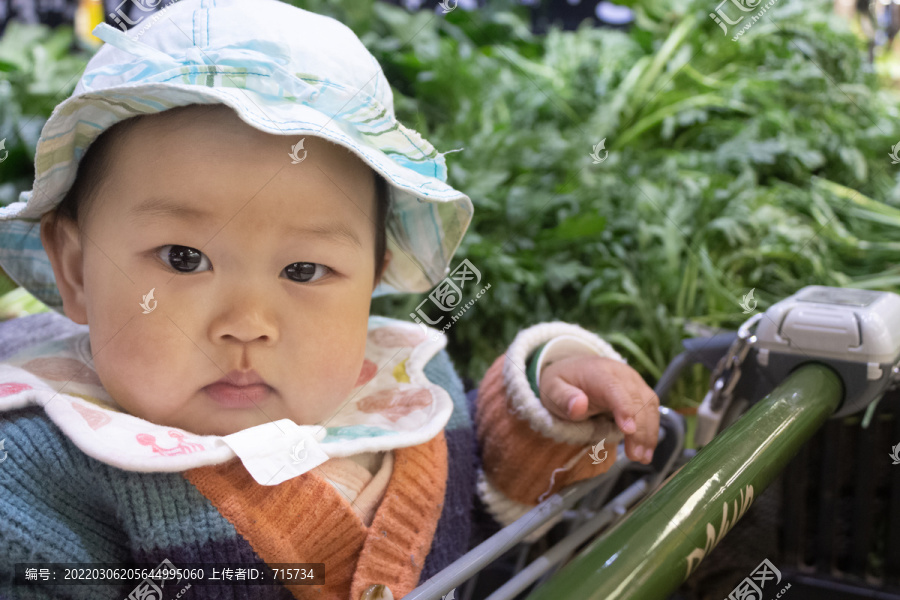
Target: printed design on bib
[[395, 337], [388, 395], [95, 418], [366, 373], [146, 439], [395, 404], [354, 432], [13, 387], [400, 373], [96, 402]]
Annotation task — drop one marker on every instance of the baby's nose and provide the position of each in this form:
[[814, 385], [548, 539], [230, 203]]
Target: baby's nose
[[245, 316]]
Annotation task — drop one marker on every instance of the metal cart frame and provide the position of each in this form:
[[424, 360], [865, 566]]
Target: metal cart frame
[[655, 532]]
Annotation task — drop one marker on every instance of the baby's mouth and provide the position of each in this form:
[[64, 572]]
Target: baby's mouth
[[239, 389]]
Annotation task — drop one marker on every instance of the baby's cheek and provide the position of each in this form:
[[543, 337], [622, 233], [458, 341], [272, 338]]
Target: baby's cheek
[[143, 370], [342, 372], [127, 382], [337, 373]]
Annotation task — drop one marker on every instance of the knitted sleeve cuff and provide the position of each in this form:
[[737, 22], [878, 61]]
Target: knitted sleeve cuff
[[505, 511], [526, 403], [528, 453]]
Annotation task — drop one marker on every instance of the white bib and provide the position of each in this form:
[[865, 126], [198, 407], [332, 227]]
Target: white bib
[[393, 406]]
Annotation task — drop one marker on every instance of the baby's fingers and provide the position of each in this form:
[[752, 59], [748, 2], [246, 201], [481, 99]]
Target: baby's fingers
[[639, 446], [581, 387], [636, 411], [564, 400]]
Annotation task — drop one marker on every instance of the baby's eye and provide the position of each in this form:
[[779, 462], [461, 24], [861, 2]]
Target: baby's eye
[[183, 258], [304, 272]]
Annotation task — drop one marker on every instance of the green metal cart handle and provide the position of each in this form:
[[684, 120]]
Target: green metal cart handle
[[650, 553]]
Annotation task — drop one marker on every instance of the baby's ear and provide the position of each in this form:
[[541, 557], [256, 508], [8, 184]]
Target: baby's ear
[[62, 242], [384, 265]]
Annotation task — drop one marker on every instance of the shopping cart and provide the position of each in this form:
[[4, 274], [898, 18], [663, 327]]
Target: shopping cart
[[820, 354]]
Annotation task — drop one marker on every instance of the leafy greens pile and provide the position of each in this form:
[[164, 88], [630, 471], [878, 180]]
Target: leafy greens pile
[[758, 164]]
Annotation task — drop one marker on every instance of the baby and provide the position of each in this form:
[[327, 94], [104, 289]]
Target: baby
[[215, 207]]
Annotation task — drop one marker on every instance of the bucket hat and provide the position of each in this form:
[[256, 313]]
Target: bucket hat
[[284, 71]]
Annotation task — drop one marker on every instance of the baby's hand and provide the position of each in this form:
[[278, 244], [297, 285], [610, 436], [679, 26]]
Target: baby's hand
[[578, 388]]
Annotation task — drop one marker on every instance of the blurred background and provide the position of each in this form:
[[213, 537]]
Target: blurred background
[[637, 168]]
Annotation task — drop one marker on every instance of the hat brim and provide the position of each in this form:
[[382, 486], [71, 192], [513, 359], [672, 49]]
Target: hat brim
[[426, 224]]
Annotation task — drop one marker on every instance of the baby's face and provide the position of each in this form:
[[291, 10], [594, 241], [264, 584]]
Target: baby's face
[[256, 264]]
